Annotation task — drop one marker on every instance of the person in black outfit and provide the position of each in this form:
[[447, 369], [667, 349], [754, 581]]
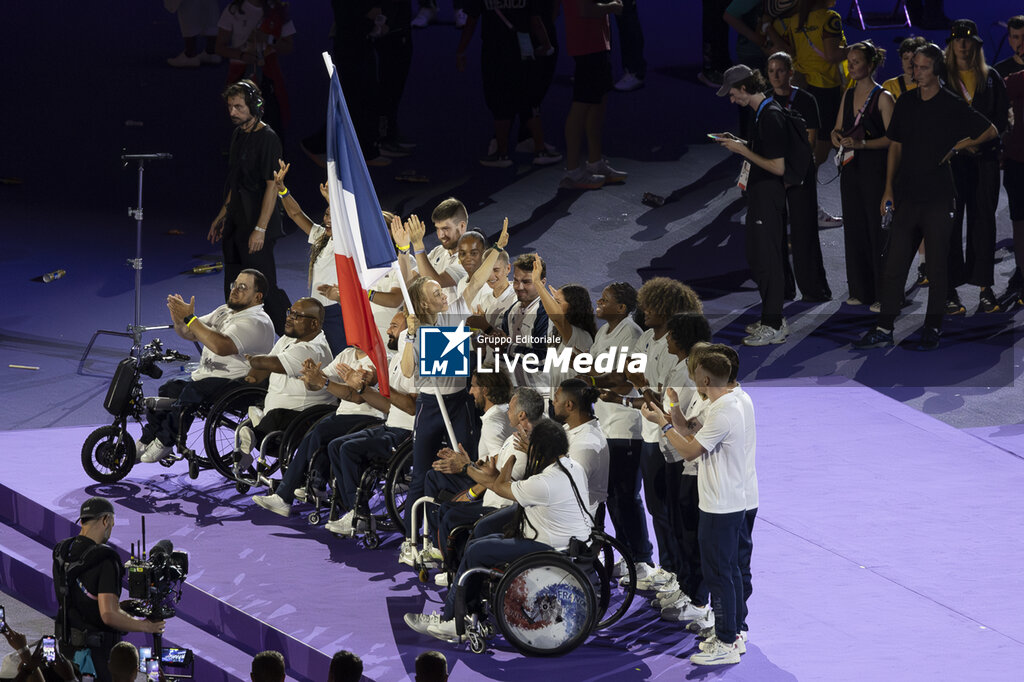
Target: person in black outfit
[[764, 167], [802, 199], [1015, 37], [249, 222], [976, 171], [87, 576], [864, 115], [929, 125], [393, 46]]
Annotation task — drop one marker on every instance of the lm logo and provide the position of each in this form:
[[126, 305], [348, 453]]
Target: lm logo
[[444, 351]]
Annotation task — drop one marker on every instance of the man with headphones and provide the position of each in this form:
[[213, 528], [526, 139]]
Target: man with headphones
[[928, 126], [249, 222]]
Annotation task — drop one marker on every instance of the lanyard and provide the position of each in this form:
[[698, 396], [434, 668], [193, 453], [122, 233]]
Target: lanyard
[[864, 107], [766, 102], [967, 95]]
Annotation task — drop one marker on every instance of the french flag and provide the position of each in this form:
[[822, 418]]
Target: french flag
[[363, 249]]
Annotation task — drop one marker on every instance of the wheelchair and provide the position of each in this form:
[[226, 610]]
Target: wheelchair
[[229, 412], [108, 453], [380, 508], [547, 603]]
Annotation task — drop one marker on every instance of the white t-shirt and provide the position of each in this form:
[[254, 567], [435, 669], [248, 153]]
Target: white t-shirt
[[325, 270], [508, 449], [356, 359], [444, 261], [750, 489], [678, 378], [580, 340], [286, 391], [382, 315], [589, 448], [617, 421], [659, 362], [457, 312], [250, 330], [697, 409], [242, 22], [494, 430], [551, 507], [722, 472], [400, 419], [494, 306], [520, 328]]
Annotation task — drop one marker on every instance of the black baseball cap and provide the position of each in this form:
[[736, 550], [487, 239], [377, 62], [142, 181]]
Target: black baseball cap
[[93, 508], [965, 28]]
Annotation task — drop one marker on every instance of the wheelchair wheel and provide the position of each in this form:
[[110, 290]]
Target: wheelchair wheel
[[544, 605], [224, 417], [614, 597], [396, 489], [108, 454], [297, 430]]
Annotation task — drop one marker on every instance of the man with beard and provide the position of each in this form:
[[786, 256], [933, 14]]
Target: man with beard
[[352, 411], [249, 222], [238, 328], [287, 395], [573, 406]]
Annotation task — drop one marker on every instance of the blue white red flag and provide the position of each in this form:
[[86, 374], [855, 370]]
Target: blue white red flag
[[363, 249]]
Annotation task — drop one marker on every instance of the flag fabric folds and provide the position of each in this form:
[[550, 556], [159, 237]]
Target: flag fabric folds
[[363, 250]]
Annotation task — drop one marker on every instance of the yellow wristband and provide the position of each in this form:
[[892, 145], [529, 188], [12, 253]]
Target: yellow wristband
[[284, 193], [404, 249], [193, 319]]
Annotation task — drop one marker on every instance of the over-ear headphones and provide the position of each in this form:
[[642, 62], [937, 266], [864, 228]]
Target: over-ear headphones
[[253, 98]]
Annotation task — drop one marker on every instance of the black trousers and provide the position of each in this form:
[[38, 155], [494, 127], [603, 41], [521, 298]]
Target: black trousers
[[977, 189], [652, 464], [931, 218], [171, 425], [862, 185], [625, 507], [394, 57], [766, 227], [235, 246], [356, 62], [685, 510], [808, 266]]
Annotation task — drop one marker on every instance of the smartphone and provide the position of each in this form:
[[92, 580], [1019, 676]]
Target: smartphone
[[153, 670], [49, 649], [715, 136], [145, 653]]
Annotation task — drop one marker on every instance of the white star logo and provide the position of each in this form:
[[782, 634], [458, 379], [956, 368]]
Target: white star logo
[[456, 338]]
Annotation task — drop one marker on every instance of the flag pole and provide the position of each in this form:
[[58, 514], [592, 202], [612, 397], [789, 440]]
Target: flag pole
[[408, 306]]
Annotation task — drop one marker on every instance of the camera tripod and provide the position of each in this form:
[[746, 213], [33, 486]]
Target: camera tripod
[[136, 329]]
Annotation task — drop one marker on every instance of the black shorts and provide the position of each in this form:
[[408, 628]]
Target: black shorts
[[503, 85], [1013, 181], [593, 78], [828, 108]]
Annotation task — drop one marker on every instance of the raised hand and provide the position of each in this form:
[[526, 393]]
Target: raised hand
[[400, 233], [416, 231], [279, 175], [503, 237], [324, 192]]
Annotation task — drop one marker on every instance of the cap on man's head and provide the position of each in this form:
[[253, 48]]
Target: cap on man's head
[[93, 508], [965, 28], [732, 76]]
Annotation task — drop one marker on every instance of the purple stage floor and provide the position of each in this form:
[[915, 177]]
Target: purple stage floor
[[882, 551]]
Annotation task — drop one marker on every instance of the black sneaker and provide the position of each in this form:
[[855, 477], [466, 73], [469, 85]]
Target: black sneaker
[[928, 339], [496, 160], [954, 306], [876, 338], [922, 276], [987, 302]]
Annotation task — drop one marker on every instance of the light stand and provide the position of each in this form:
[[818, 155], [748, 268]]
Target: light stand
[[137, 329]]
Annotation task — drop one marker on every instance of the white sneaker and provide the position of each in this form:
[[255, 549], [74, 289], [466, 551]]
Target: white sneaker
[[611, 175], [424, 17], [441, 579], [273, 503], [765, 335], [685, 612], [741, 642], [619, 570], [875, 307], [699, 625], [644, 571], [421, 621], [546, 158], [460, 18], [826, 219], [444, 630], [432, 553], [657, 579], [717, 653], [676, 598], [183, 61], [244, 439], [342, 526], [407, 553], [300, 494], [668, 588], [581, 178], [752, 327], [629, 82], [140, 448], [155, 452]]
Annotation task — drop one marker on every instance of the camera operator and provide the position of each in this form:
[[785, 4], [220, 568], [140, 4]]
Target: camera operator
[[87, 576]]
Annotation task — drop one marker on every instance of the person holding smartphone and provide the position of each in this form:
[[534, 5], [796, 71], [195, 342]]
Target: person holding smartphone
[[87, 576]]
